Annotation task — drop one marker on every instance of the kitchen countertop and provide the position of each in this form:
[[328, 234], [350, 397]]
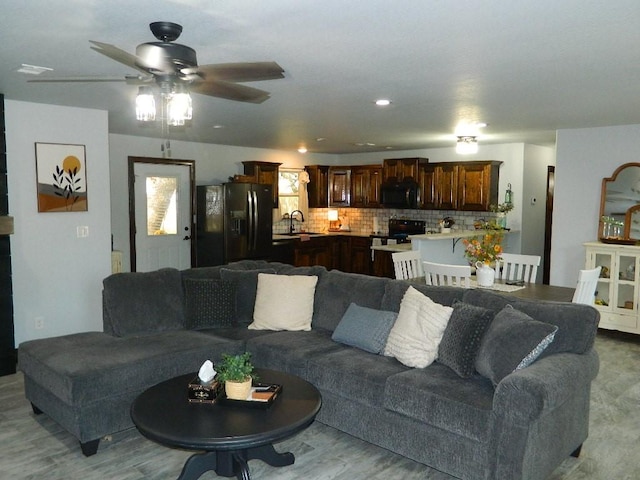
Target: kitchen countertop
[[454, 234], [281, 236], [399, 247]]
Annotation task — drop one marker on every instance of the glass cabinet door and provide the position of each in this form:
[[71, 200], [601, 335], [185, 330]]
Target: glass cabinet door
[[626, 284], [604, 295]]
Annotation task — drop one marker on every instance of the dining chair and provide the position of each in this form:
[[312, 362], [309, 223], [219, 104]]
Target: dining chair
[[443, 274], [407, 265], [513, 267], [586, 288]]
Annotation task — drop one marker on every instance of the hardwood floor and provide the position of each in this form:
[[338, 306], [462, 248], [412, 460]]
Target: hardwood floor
[[35, 447]]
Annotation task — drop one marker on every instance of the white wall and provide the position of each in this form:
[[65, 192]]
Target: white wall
[[56, 275], [536, 161], [214, 165], [584, 158]]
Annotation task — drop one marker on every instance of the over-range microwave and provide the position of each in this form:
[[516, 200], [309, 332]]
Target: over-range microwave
[[405, 194]]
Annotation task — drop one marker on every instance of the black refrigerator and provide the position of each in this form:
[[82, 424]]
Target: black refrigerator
[[233, 222]]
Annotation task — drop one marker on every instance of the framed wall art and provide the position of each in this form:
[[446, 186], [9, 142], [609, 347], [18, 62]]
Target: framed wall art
[[62, 177]]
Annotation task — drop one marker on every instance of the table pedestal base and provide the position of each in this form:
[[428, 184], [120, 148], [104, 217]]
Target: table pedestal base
[[233, 463]]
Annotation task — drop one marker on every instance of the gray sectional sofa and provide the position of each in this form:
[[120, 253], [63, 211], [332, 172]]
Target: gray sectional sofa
[[157, 325]]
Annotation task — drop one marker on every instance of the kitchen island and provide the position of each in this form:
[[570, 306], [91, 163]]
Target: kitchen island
[[444, 248]]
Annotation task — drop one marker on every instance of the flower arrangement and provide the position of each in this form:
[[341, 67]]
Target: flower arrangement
[[484, 248]]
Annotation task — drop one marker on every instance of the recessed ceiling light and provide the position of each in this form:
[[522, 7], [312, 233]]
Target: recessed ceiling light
[[217, 127], [302, 150], [33, 69], [383, 102], [320, 139]]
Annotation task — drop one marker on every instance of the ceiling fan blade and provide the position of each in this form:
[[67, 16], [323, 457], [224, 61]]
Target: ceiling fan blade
[[87, 78], [230, 91], [129, 79], [117, 54], [238, 72]]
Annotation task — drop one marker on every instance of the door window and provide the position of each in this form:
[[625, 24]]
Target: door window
[[162, 218]]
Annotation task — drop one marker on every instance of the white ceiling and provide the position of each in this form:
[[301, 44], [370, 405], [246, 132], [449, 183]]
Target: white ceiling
[[526, 68]]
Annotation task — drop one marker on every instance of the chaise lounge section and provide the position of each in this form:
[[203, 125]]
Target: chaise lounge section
[[500, 424]]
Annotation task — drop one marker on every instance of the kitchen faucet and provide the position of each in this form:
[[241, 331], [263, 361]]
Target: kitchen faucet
[[291, 227]]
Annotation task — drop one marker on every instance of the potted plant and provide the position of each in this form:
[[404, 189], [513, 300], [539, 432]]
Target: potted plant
[[236, 373], [501, 211]]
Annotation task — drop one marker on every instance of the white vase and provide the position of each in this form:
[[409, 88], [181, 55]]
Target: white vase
[[485, 275]]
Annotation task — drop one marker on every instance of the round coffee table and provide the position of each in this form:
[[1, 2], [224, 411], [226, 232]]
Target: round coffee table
[[230, 436]]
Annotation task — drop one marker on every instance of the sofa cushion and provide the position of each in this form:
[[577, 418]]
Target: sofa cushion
[[139, 303], [577, 324], [337, 290], [209, 303], [246, 282], [364, 328], [86, 367], [395, 290], [437, 396], [353, 374], [461, 340], [290, 351], [418, 330], [513, 341], [284, 302]]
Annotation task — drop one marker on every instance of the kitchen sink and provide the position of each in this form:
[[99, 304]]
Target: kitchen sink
[[296, 234]]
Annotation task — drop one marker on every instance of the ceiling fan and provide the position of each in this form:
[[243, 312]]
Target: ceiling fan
[[171, 64]]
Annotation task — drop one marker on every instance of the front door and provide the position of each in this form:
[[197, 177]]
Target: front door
[[162, 214]]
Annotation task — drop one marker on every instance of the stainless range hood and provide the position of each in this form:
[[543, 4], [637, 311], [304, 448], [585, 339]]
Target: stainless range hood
[[6, 225]]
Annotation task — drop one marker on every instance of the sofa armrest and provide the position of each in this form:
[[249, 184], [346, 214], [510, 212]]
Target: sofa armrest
[[523, 395]]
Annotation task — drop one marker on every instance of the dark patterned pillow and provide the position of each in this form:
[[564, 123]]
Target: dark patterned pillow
[[512, 342], [209, 303], [461, 340], [246, 282]]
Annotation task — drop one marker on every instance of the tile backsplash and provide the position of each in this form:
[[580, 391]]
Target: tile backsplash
[[366, 221]]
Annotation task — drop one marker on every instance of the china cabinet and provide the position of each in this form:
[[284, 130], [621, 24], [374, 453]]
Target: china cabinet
[[618, 290]]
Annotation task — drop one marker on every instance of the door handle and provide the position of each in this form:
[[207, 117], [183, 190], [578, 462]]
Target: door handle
[[187, 237]]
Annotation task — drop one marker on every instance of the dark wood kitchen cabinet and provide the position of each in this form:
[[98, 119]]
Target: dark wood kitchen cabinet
[[359, 256], [402, 168], [459, 185], [438, 186], [315, 251], [478, 185], [263, 173], [365, 185], [318, 186], [339, 187]]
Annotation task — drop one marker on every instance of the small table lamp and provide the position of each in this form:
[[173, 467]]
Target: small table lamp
[[334, 221]]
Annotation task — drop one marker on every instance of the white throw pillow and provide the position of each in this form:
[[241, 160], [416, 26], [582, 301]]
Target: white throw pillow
[[416, 335], [284, 302]]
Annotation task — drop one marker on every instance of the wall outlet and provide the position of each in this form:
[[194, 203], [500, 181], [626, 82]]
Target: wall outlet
[[39, 322]]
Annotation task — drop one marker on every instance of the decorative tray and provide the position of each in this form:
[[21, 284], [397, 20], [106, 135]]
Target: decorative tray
[[619, 241], [262, 396]]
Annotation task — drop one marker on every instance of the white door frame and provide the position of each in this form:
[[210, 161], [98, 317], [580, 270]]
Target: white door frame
[[132, 203]]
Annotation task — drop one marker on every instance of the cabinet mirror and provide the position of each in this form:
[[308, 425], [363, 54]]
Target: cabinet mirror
[[620, 200]]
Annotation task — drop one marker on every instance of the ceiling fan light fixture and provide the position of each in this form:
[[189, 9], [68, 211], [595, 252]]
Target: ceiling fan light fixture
[[145, 105], [179, 107], [467, 145]]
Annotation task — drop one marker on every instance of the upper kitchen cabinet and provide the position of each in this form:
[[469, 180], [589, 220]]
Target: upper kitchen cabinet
[[264, 173], [365, 185], [438, 186], [401, 168], [318, 187], [339, 186], [478, 185]]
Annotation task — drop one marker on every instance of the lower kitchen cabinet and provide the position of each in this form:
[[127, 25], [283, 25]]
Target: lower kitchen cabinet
[[340, 252], [382, 264]]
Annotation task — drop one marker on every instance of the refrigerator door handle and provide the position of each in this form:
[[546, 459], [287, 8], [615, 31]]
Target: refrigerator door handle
[[250, 222], [255, 220]]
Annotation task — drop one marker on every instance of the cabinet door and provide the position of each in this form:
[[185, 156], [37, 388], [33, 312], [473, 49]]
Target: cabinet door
[[447, 186], [359, 186], [318, 187], [625, 295], [360, 255], [604, 291], [375, 182], [339, 187], [477, 185], [428, 187]]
